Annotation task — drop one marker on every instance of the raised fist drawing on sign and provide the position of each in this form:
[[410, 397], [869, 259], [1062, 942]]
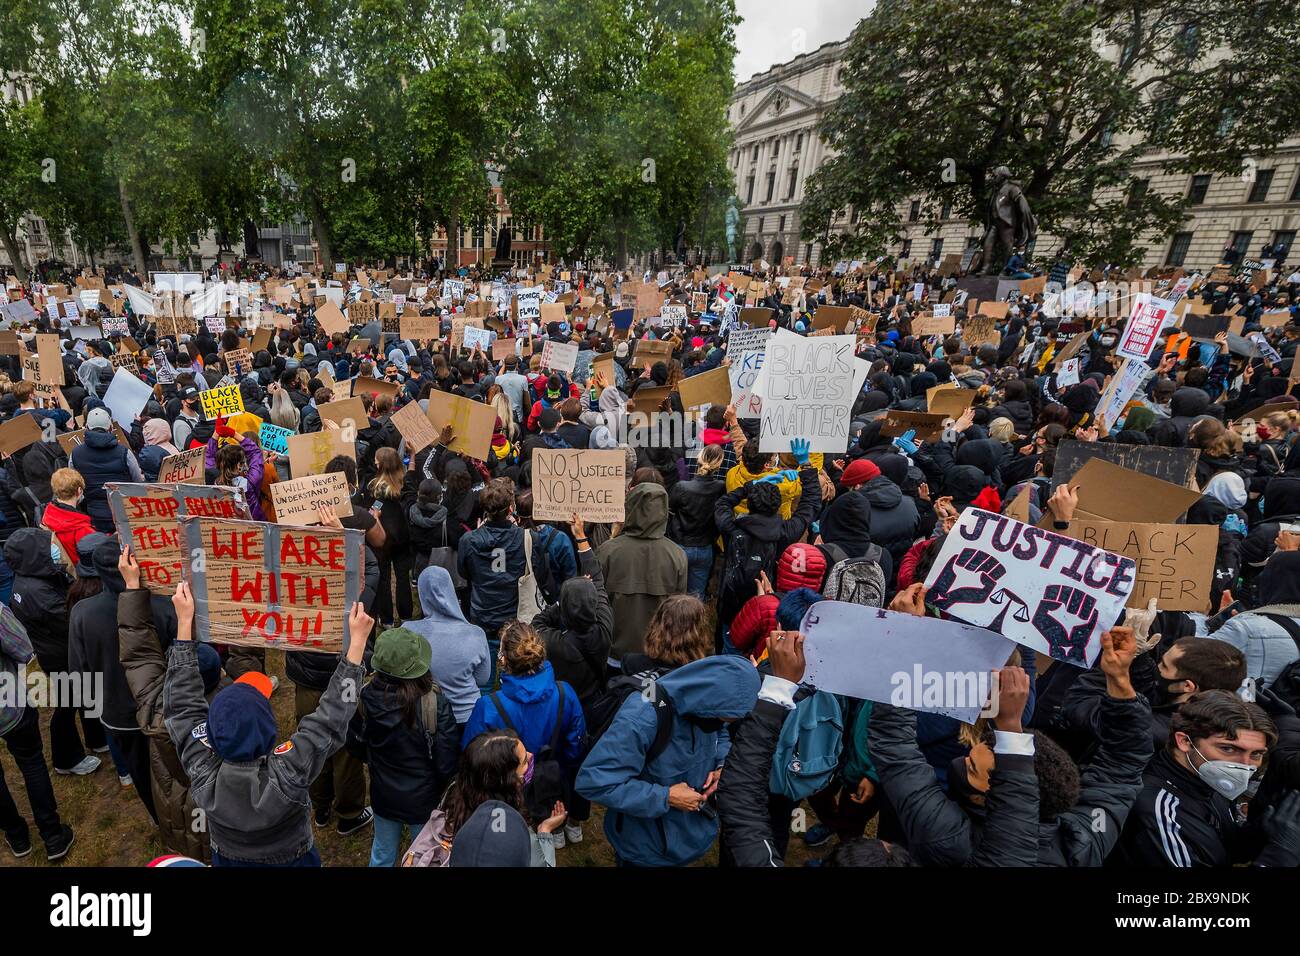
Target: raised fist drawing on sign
[[1066, 617], [970, 577]]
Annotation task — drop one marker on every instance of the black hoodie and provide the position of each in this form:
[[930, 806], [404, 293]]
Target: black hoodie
[[578, 630], [40, 595]]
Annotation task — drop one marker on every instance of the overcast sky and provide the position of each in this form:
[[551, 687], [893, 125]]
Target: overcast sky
[[770, 30]]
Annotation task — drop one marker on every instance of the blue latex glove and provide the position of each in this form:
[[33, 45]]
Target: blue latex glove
[[799, 448], [905, 443]]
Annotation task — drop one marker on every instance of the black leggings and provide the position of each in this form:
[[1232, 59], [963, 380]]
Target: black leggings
[[394, 563]]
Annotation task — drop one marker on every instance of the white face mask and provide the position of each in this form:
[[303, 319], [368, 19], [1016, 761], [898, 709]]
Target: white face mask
[[1228, 778]]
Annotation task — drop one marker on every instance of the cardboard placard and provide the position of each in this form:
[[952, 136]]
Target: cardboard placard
[[267, 585], [650, 351], [707, 388], [1175, 562], [51, 359], [502, 348], [949, 401], [310, 453], [239, 361], [807, 390], [981, 330], [835, 317], [415, 427], [342, 413], [649, 398], [923, 325], [592, 483], [185, 468], [363, 385], [472, 423], [927, 425], [145, 517], [559, 356], [274, 439], [295, 500], [1111, 493], [1174, 465], [754, 317], [1039, 588], [420, 328], [19, 432], [331, 319]]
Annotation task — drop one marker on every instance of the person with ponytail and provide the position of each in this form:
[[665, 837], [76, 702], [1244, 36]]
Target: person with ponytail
[[384, 498]]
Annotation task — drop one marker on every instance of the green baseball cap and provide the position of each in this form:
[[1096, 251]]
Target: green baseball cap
[[401, 653]]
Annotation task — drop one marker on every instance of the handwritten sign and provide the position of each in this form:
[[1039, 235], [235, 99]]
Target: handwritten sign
[[224, 400], [268, 585], [310, 453], [559, 356], [295, 501], [419, 328], [1041, 589], [592, 483], [239, 361], [807, 390], [414, 426], [472, 423], [1149, 316], [274, 439], [183, 468], [1175, 562], [145, 517]]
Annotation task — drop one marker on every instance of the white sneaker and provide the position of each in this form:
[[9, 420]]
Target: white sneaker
[[124, 779], [557, 838], [275, 683], [573, 832], [88, 765]]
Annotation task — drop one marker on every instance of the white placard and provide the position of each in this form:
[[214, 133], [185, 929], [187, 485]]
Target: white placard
[[807, 391]]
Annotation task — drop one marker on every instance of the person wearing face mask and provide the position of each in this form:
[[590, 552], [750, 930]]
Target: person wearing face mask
[[1188, 813]]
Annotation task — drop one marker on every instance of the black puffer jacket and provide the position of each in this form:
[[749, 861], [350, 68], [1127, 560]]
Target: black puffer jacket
[[690, 517], [578, 630], [40, 595], [894, 518]]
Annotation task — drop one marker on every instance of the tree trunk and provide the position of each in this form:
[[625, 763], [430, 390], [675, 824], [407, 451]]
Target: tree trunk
[[137, 247], [320, 229], [13, 251], [451, 258], [621, 253]]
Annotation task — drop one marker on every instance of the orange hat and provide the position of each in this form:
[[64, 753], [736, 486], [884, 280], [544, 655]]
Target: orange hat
[[258, 681]]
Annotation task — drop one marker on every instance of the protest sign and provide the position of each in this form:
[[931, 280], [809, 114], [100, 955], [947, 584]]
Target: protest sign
[[419, 328], [1112, 493], [921, 663], [1123, 385], [707, 388], [295, 500], [501, 348], [928, 426], [265, 585], [274, 439], [310, 453], [1175, 562], [414, 426], [1041, 589], [649, 398], [472, 423], [835, 317], [1149, 316], [458, 325], [344, 413], [1175, 465], [807, 392], [923, 325], [238, 361], [18, 432], [185, 467], [592, 483], [949, 400], [481, 337], [51, 359], [559, 356], [331, 319], [127, 396], [675, 316], [224, 400], [981, 330], [649, 351], [754, 317], [145, 517]]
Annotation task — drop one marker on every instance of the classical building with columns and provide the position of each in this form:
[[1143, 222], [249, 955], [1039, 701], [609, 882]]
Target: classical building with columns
[[775, 116]]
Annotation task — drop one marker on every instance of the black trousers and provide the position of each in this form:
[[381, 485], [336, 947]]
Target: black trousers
[[24, 743], [66, 748], [133, 745], [394, 563]]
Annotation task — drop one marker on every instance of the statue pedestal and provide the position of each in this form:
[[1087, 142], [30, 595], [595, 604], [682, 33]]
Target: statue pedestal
[[988, 288]]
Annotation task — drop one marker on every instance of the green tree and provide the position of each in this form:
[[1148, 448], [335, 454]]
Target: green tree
[[1067, 93]]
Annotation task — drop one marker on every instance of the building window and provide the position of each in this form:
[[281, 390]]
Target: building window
[[781, 227], [771, 185], [1259, 190], [1295, 191], [794, 178], [1137, 188], [1282, 242], [1200, 186], [1241, 243], [936, 249], [914, 212], [754, 157], [1178, 248], [946, 211], [906, 251], [798, 142], [749, 189], [807, 256], [760, 223]]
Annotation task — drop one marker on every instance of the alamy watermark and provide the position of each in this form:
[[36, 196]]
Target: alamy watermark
[[24, 688]]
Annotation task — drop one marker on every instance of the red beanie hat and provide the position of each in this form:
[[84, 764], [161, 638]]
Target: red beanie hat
[[859, 473], [989, 500]]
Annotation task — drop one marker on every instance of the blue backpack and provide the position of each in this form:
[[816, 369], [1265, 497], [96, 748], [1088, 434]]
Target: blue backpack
[[808, 750]]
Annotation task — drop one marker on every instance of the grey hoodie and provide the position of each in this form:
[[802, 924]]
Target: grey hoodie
[[461, 660]]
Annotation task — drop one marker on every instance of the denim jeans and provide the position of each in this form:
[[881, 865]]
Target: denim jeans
[[494, 648], [388, 839], [699, 565]]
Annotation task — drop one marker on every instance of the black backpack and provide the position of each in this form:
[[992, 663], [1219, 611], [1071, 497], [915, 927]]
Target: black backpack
[[550, 782], [1287, 684], [604, 708], [746, 558]]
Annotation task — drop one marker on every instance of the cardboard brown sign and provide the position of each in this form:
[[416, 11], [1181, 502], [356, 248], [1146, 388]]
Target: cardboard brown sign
[[923, 325], [708, 388], [1175, 562], [1108, 492], [835, 317], [472, 423], [649, 351], [330, 318], [295, 500], [19, 432], [349, 410], [649, 398], [414, 426], [310, 453], [590, 483], [928, 426], [949, 401], [184, 468]]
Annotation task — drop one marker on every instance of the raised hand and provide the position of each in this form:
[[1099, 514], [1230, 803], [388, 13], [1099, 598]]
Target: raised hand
[[970, 577], [1066, 617]]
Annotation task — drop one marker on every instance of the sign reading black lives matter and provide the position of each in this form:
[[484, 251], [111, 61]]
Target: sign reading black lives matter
[[1041, 589], [806, 384]]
